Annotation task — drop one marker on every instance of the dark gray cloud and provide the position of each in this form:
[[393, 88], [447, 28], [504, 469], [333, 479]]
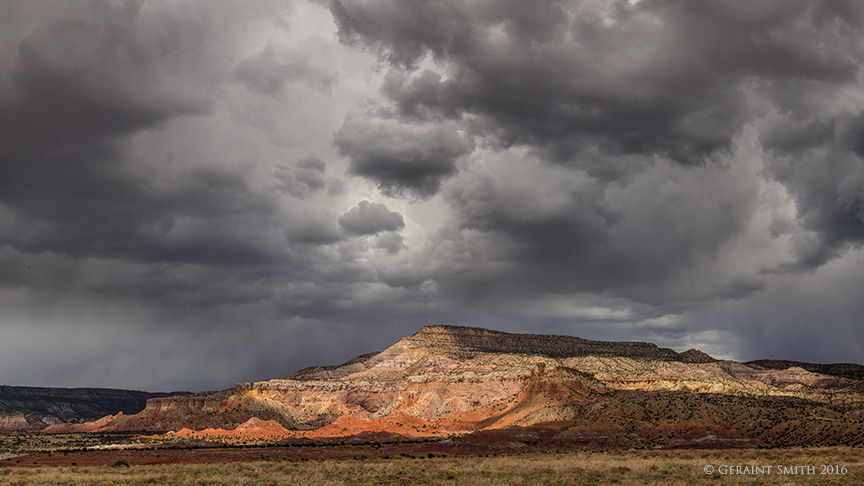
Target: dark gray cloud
[[534, 229], [391, 242], [609, 88], [179, 183], [623, 79], [79, 86], [265, 74], [402, 158], [315, 230], [828, 188], [370, 218], [657, 112], [93, 211], [302, 178], [806, 319]]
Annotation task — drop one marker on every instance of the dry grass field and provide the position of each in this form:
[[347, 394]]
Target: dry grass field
[[684, 467]]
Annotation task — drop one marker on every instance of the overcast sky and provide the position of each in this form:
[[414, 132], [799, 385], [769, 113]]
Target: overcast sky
[[197, 193]]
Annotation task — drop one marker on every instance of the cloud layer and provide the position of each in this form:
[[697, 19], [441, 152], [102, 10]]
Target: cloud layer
[[226, 192]]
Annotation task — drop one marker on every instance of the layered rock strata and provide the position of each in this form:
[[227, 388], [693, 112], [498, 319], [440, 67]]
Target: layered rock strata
[[455, 380]]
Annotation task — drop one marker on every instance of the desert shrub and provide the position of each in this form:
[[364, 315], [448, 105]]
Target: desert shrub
[[122, 462]]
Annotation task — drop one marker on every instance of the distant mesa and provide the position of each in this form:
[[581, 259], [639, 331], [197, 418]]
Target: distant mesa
[[32, 408], [844, 370], [470, 384], [484, 340]]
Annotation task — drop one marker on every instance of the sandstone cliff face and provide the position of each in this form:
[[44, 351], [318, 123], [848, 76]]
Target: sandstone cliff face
[[445, 380], [31, 408]]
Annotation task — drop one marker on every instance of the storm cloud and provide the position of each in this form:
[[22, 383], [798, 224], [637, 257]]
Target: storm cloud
[[616, 93], [370, 218], [222, 191], [402, 158], [302, 178], [647, 78]]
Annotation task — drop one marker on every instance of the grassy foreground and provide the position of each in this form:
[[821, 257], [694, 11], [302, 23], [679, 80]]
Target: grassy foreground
[[619, 468]]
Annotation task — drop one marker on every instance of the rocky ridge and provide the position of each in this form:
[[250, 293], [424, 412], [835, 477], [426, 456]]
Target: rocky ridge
[[843, 370], [447, 380], [33, 408]]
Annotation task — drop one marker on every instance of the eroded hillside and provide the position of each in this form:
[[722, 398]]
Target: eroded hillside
[[454, 380]]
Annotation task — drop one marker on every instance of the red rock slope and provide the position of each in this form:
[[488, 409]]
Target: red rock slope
[[444, 380]]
